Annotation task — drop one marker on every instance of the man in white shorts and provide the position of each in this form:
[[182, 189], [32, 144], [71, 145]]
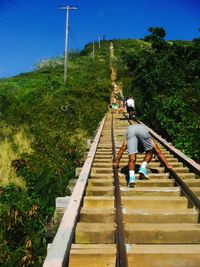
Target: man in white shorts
[[138, 140], [130, 106]]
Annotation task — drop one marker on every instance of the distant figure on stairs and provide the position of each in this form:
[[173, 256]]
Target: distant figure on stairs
[[130, 106]]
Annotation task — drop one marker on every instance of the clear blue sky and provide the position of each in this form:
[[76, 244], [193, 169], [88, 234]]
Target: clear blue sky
[[31, 30]]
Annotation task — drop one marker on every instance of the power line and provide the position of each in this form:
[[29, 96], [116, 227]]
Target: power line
[[14, 16], [25, 28], [16, 6]]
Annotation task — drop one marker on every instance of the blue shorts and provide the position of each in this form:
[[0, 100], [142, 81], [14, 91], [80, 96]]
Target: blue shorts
[[138, 139]]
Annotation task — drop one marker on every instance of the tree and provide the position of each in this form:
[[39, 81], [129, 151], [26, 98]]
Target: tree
[[157, 32]]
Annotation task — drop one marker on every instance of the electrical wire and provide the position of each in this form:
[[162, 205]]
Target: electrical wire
[[26, 10], [24, 21]]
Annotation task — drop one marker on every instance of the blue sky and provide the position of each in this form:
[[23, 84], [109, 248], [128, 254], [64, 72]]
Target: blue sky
[[33, 30]]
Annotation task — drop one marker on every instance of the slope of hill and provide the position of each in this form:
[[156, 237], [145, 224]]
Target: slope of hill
[[45, 124]]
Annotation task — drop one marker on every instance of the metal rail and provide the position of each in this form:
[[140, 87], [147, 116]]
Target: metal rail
[[186, 190], [121, 247]]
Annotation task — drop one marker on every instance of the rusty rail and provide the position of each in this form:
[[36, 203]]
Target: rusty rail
[[122, 260]]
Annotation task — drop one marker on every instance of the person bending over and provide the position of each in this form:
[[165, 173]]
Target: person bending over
[[138, 140]]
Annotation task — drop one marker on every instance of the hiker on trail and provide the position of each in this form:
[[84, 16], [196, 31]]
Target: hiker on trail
[[114, 102], [130, 105], [138, 140]]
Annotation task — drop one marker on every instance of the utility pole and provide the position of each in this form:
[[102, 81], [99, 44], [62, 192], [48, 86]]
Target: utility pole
[[67, 8], [93, 53], [99, 38]]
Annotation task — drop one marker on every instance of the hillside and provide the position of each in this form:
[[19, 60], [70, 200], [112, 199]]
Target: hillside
[[45, 125]]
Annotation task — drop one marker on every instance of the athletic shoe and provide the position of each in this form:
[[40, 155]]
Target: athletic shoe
[[143, 174], [131, 181]]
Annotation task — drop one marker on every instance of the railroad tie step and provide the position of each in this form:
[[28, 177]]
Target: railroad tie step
[[102, 169], [153, 164], [155, 233], [104, 145], [100, 156], [96, 215], [154, 202], [101, 176], [107, 164], [196, 190], [192, 182], [90, 255], [95, 233], [188, 175], [181, 170], [150, 191], [100, 182], [162, 255], [160, 215], [165, 175], [100, 191], [106, 202], [150, 183], [103, 152]]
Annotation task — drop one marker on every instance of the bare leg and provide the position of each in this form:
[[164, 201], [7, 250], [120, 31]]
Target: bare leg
[[131, 167], [148, 156], [131, 162]]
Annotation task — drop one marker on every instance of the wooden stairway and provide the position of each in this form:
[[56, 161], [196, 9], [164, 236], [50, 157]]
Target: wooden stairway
[[160, 227]]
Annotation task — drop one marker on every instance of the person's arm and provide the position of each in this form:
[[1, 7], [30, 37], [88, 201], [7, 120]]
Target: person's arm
[[161, 155], [119, 154]]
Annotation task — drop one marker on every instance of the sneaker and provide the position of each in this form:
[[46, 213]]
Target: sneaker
[[131, 181], [143, 174]]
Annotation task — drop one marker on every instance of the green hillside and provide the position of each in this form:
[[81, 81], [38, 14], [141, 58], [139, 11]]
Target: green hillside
[[45, 125]]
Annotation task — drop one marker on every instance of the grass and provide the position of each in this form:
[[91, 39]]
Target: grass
[[9, 151]]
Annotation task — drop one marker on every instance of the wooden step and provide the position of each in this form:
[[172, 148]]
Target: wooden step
[[160, 215], [104, 149], [163, 255], [192, 182], [106, 202], [107, 164], [102, 170], [152, 164], [154, 202], [100, 191], [162, 233], [92, 255], [100, 182], [105, 145], [95, 233], [104, 153], [100, 156], [123, 176], [196, 190], [181, 170], [188, 175], [150, 191], [150, 183], [97, 215]]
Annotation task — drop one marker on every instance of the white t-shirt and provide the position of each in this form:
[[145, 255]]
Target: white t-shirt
[[130, 102]]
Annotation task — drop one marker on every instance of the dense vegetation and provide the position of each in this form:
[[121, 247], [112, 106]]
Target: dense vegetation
[[45, 124], [164, 78]]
